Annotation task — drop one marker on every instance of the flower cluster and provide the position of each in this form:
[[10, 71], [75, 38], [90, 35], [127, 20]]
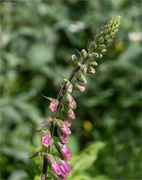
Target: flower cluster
[[86, 64]]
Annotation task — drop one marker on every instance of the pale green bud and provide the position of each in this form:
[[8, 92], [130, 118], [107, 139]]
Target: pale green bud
[[83, 69], [81, 78], [91, 70], [83, 53], [101, 40], [94, 55]]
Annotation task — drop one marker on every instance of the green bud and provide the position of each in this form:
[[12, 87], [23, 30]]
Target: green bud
[[92, 46], [100, 56], [69, 87], [104, 51], [83, 69], [91, 70], [94, 55], [102, 32], [102, 46], [74, 60], [106, 31], [70, 101], [78, 87], [83, 53], [109, 41], [107, 37], [91, 62], [81, 78], [101, 40]]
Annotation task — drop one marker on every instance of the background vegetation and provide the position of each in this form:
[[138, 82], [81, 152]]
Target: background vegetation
[[37, 37]]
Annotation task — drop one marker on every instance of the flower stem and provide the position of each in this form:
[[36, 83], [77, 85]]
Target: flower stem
[[52, 124]]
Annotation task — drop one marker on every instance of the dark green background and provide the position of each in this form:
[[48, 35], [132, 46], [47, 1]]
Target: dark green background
[[37, 37]]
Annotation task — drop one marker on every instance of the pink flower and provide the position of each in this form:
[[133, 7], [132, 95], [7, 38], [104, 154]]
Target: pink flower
[[65, 152], [64, 128], [55, 168], [45, 140], [65, 167], [63, 138], [53, 105]]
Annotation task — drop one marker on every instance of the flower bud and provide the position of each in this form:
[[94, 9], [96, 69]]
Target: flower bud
[[54, 165], [92, 46], [107, 37], [100, 56], [70, 101], [67, 122], [78, 87], [91, 62], [101, 40], [63, 127], [64, 151], [94, 55], [69, 87], [65, 168], [53, 105], [83, 69], [74, 60], [106, 31], [64, 138], [91, 70], [104, 51], [81, 78], [69, 112], [102, 46], [83, 53], [46, 139]]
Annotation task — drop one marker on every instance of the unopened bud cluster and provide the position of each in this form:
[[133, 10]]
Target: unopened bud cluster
[[86, 64]]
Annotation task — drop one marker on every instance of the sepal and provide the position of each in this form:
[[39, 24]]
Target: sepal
[[49, 119], [39, 153]]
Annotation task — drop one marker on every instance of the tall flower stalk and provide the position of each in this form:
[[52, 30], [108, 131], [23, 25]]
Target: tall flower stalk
[[87, 63]]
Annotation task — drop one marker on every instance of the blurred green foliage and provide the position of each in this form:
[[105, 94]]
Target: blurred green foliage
[[37, 37]]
